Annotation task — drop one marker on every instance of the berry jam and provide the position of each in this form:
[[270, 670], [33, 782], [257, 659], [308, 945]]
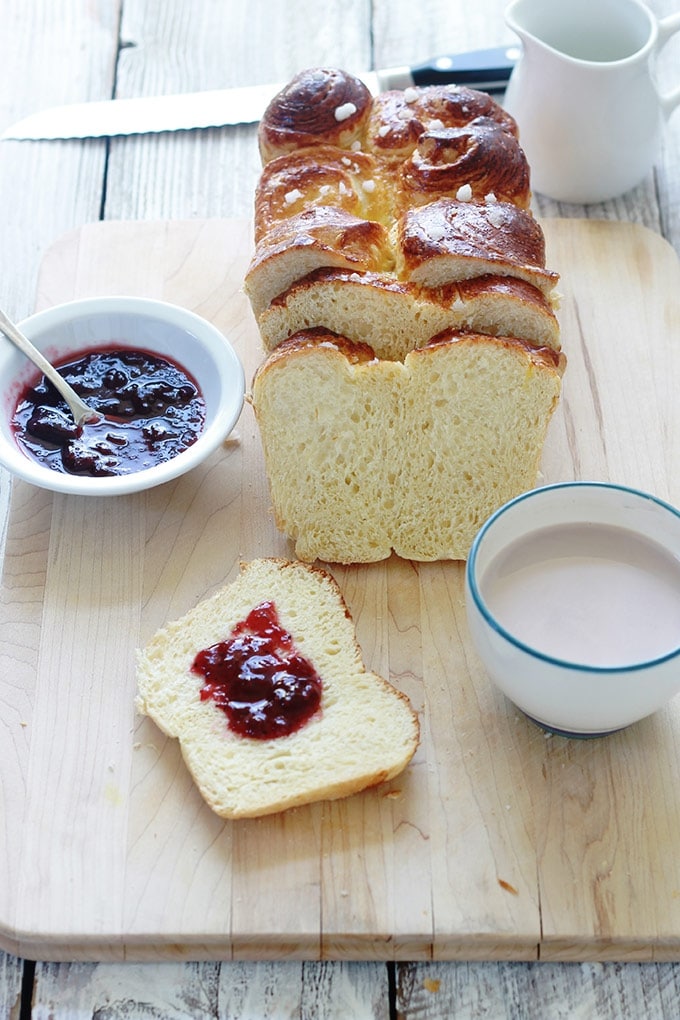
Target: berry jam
[[258, 679], [152, 411]]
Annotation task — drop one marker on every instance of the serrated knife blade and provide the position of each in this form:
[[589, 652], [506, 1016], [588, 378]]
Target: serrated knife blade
[[487, 70]]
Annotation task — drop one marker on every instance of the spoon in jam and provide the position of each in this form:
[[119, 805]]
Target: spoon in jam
[[79, 409]]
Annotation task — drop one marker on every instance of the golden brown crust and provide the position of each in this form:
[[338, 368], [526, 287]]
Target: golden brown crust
[[541, 357], [499, 236], [321, 175], [355, 351], [331, 275], [460, 290], [440, 196], [399, 118], [319, 105], [467, 290], [355, 241], [479, 160]]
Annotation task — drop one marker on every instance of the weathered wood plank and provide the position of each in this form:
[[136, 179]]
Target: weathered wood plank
[[11, 976], [230, 991], [537, 991], [49, 54], [213, 172]]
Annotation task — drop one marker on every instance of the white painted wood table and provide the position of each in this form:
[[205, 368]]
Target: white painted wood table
[[60, 52]]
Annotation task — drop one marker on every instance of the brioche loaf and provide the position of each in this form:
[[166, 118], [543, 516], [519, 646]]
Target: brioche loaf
[[400, 286], [364, 732], [366, 456]]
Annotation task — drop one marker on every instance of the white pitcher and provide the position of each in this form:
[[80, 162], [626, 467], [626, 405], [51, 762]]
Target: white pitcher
[[589, 114]]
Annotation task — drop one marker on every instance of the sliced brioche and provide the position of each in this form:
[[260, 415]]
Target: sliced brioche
[[364, 733], [321, 236], [407, 456], [395, 318], [447, 241], [408, 440], [423, 172]]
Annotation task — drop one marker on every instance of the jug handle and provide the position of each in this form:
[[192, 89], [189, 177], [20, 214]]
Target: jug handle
[[666, 28]]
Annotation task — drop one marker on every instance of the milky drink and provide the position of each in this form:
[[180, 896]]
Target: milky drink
[[587, 593]]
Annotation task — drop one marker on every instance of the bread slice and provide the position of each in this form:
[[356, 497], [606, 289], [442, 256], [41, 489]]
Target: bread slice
[[395, 318], [409, 456], [448, 241], [321, 236], [364, 733]]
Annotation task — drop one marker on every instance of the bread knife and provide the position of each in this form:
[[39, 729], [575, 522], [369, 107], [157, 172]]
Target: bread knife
[[487, 70]]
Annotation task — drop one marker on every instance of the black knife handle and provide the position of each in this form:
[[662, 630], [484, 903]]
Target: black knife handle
[[487, 70]]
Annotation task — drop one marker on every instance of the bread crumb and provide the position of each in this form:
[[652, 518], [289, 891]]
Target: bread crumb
[[431, 985], [392, 794], [508, 888], [345, 111]]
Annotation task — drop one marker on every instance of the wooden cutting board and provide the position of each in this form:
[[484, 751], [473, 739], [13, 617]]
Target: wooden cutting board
[[497, 843]]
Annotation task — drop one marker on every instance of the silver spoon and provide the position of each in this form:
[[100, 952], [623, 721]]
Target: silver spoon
[[79, 409]]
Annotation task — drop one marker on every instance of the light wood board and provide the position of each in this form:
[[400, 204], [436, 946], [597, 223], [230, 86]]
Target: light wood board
[[497, 843]]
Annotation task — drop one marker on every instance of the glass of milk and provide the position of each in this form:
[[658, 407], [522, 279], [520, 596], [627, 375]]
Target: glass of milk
[[573, 604]]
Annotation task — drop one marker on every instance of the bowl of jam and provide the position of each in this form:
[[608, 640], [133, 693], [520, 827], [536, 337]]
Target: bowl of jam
[[166, 385]]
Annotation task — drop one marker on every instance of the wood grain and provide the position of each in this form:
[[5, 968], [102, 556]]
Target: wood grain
[[54, 53], [511, 991], [495, 844], [230, 991], [11, 975]]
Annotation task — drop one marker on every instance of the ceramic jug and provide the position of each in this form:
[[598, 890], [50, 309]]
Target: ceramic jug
[[583, 94]]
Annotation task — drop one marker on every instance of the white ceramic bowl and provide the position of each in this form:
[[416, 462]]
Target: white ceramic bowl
[[571, 697], [155, 326]]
